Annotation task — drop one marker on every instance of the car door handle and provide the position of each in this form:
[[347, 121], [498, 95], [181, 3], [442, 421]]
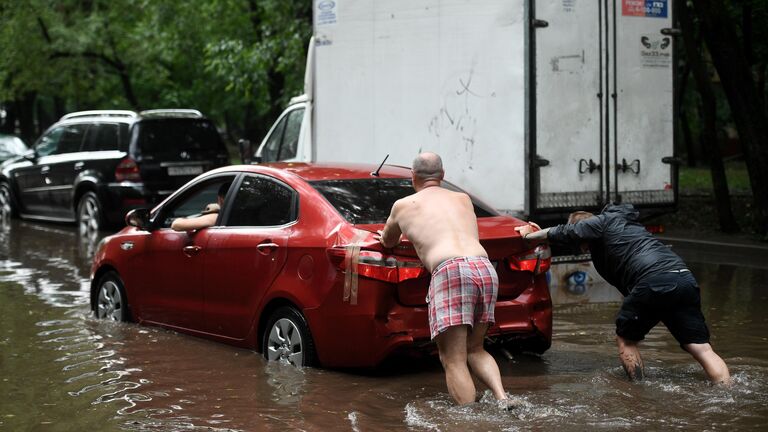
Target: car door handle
[[45, 169], [79, 166], [191, 250], [267, 247]]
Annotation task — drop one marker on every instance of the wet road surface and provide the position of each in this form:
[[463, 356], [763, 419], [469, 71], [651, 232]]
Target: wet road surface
[[62, 370]]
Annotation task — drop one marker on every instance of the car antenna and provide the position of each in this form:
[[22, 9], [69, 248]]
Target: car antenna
[[376, 173]]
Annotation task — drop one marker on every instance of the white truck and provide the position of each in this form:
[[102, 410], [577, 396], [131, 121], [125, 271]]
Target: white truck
[[537, 107]]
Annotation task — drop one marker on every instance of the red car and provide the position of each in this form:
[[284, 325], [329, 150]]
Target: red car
[[291, 267]]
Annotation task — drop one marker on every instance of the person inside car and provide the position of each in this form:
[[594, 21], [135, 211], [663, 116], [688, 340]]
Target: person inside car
[[656, 284], [207, 217]]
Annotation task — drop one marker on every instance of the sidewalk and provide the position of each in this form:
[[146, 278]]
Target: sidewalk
[[716, 247]]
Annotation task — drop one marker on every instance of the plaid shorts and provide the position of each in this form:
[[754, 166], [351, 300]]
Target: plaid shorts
[[463, 290]]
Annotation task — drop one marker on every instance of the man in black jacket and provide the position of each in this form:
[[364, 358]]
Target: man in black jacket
[[656, 284]]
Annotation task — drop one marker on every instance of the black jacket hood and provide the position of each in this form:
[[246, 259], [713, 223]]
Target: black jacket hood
[[627, 211]]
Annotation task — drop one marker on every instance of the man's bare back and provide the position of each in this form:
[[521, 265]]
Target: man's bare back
[[440, 223]]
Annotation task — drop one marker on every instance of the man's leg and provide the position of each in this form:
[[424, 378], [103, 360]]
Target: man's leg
[[482, 364], [452, 346], [629, 355], [713, 365]]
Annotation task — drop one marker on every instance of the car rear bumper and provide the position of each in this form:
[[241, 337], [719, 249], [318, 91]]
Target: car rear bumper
[[120, 198], [363, 335]]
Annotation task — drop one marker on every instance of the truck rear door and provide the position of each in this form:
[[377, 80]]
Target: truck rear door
[[643, 106], [603, 104], [567, 162]]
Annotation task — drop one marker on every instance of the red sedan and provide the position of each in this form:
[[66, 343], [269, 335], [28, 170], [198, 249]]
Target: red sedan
[[291, 267]]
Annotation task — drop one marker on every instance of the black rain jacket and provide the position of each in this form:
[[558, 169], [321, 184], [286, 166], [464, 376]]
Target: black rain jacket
[[623, 251]]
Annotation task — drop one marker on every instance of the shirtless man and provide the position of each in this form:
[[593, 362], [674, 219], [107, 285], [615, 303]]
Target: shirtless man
[[442, 226]]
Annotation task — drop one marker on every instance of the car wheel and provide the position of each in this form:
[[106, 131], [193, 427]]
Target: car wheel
[[89, 219], [287, 338], [7, 210], [111, 301]]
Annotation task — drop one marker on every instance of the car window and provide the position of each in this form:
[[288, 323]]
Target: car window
[[261, 201], [272, 148], [164, 136], [101, 136], [71, 139], [369, 201], [49, 142], [291, 135], [194, 200]]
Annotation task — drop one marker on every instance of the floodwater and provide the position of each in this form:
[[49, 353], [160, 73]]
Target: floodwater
[[62, 370]]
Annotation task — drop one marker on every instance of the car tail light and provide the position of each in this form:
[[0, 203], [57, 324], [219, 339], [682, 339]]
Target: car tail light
[[376, 265], [127, 170], [655, 229], [536, 261]]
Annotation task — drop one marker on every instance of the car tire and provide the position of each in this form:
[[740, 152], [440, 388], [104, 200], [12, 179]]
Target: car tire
[[287, 338], [111, 300], [7, 209], [89, 215]]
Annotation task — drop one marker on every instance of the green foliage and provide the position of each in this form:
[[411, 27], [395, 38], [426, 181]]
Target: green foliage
[[238, 60], [699, 180]]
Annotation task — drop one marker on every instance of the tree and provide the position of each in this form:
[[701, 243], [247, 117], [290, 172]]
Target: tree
[[747, 108], [709, 131]]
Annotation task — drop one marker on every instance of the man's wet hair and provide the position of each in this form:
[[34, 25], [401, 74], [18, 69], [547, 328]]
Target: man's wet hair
[[578, 216], [428, 166], [223, 189]]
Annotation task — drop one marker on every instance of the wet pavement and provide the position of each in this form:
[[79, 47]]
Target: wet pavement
[[62, 370]]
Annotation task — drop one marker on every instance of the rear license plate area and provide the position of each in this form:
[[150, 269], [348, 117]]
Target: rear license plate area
[[185, 170]]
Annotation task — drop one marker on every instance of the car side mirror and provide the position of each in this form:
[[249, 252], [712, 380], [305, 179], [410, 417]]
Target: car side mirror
[[246, 150], [138, 218], [30, 155]]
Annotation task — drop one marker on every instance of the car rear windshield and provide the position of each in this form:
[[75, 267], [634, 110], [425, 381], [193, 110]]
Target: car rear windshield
[[369, 201], [171, 135]]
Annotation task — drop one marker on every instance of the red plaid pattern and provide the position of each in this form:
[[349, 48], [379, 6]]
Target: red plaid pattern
[[463, 290]]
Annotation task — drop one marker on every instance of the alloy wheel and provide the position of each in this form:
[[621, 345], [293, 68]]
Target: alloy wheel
[[5, 203], [110, 304], [89, 216], [284, 343]]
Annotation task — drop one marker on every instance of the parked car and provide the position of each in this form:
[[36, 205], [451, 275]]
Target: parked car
[[292, 269], [92, 167], [11, 147]]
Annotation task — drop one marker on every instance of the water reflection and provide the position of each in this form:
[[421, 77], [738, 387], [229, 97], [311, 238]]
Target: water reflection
[[55, 359]]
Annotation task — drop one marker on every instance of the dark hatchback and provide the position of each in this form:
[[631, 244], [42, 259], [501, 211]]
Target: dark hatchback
[[92, 167]]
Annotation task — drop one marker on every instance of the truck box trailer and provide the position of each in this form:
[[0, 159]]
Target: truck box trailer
[[537, 107]]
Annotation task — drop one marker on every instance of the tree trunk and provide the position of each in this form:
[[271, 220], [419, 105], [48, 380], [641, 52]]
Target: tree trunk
[[685, 128], [746, 108], [8, 125], [26, 117], [687, 139], [709, 130]]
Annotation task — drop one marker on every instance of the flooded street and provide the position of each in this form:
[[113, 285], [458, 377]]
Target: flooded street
[[62, 370]]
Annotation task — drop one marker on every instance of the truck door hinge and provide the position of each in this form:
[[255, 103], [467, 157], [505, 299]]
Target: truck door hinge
[[671, 31], [590, 166], [539, 162], [633, 166], [537, 23], [671, 160]]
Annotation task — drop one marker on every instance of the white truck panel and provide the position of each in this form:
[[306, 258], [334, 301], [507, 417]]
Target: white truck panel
[[568, 121], [441, 75], [644, 122]]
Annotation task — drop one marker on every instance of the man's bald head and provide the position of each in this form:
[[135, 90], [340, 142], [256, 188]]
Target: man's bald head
[[428, 166]]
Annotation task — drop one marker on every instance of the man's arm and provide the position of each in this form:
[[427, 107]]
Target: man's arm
[[391, 234], [585, 230], [196, 223]]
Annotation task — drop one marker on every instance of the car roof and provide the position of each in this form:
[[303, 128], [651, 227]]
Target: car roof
[[126, 116]]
